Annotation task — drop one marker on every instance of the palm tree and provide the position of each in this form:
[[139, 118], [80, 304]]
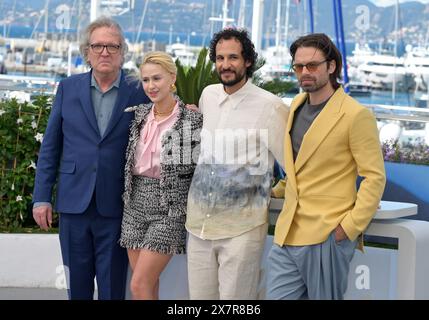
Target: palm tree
[[191, 81]]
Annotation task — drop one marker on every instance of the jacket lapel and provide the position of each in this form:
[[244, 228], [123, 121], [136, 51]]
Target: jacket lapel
[[140, 113], [289, 163], [320, 128], [85, 98], [124, 93]]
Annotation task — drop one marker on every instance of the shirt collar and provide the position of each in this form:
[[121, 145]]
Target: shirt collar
[[237, 96], [115, 83]]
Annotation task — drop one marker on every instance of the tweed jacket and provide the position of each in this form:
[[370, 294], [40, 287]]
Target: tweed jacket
[[180, 147]]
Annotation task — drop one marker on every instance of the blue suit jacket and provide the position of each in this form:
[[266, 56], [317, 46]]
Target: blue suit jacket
[[74, 155]]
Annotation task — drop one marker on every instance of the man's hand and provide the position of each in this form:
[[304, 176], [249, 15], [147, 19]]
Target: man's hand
[[340, 235], [192, 107], [43, 217]]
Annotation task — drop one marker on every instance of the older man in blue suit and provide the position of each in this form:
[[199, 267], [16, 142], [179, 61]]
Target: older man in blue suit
[[83, 153]]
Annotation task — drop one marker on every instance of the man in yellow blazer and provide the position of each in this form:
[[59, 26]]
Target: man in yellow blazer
[[330, 140]]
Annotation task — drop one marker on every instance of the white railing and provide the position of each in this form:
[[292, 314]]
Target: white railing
[[401, 113]]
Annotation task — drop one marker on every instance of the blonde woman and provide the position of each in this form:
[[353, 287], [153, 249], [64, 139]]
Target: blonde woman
[[162, 147]]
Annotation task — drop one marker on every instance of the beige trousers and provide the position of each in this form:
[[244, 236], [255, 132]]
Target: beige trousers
[[226, 269]]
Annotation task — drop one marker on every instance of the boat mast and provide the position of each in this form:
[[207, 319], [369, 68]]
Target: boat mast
[[395, 51], [170, 35], [278, 27], [140, 26], [95, 9], [211, 21], [78, 20], [242, 14], [305, 26], [258, 12], [336, 24], [287, 23], [46, 18], [339, 31], [224, 18], [12, 19]]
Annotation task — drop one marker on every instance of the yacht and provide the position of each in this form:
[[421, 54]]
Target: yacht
[[187, 55], [277, 64], [362, 53], [384, 72], [417, 62]]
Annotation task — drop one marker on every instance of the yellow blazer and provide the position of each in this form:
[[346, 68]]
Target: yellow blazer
[[320, 191]]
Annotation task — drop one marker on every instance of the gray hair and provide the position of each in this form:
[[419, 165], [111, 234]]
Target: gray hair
[[100, 23]]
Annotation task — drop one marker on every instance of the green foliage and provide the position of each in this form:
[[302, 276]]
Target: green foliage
[[260, 62], [257, 78], [277, 86], [192, 80], [21, 130]]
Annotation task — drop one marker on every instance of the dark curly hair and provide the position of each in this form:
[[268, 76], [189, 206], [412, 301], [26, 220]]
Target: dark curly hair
[[249, 54], [322, 42]]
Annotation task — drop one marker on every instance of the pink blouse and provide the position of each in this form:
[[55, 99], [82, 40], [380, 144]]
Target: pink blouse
[[147, 157]]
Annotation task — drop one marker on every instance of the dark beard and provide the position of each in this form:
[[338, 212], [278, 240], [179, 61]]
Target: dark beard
[[310, 89], [233, 82], [314, 88]]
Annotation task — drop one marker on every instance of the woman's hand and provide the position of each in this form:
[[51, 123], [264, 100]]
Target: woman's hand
[[192, 107]]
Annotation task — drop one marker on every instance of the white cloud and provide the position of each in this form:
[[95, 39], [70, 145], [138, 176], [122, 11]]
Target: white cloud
[[385, 3]]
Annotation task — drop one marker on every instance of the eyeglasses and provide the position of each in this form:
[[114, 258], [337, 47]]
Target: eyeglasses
[[111, 48], [311, 66]]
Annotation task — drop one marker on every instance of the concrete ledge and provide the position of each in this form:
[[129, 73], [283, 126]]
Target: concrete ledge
[[34, 261], [30, 260]]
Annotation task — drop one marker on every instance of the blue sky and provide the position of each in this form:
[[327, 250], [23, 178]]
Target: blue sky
[[384, 3]]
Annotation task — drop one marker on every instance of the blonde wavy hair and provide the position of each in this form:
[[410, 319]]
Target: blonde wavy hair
[[162, 59]]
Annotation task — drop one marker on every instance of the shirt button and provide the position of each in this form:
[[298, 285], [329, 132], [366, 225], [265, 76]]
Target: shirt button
[[212, 172], [208, 215], [210, 194]]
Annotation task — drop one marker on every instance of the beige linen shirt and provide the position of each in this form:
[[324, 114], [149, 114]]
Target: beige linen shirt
[[242, 134]]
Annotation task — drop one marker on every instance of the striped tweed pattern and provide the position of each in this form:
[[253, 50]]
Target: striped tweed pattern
[[146, 224]]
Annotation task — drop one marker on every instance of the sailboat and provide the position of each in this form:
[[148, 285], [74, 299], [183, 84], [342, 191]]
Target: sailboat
[[384, 71], [277, 58], [188, 54]]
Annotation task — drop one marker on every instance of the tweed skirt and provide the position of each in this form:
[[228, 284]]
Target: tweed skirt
[[146, 224]]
